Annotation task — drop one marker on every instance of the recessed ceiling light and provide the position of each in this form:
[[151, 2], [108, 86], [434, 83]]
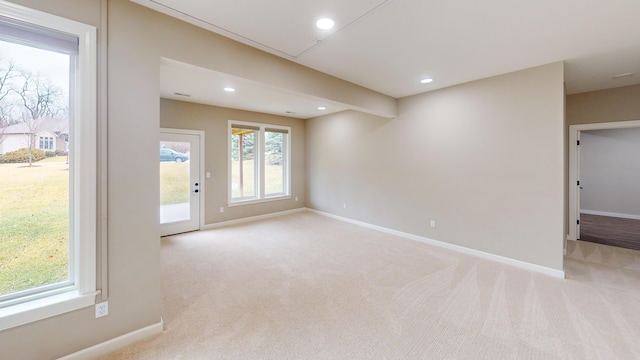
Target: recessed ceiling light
[[322, 108], [426, 80], [229, 89], [325, 24], [623, 75]]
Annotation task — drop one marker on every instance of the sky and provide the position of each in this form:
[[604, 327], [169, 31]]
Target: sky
[[49, 64]]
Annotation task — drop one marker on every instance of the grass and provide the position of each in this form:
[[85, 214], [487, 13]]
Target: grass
[[273, 178], [34, 210], [34, 223], [174, 183]]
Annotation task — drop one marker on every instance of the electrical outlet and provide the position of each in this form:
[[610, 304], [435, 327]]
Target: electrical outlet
[[102, 309], [344, 205], [296, 198], [433, 223], [221, 209]]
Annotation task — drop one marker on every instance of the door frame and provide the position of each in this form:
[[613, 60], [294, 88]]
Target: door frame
[[574, 167], [202, 190]]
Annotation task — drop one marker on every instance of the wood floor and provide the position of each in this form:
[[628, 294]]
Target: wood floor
[[610, 231]]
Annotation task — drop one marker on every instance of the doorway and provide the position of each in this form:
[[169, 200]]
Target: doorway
[[574, 169], [181, 188]]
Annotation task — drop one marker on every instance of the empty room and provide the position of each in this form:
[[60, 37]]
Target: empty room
[[390, 179]]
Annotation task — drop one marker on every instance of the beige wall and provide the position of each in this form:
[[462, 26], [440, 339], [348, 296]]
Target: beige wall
[[60, 335], [138, 39], [619, 104], [213, 121], [483, 159]]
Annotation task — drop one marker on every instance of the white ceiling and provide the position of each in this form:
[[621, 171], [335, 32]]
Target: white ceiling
[[388, 46]]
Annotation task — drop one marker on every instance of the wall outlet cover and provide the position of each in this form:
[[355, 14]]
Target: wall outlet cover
[[102, 309]]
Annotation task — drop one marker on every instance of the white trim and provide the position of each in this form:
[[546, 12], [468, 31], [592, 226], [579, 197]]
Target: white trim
[[258, 201], [85, 157], [259, 176], [574, 131], [200, 133], [45, 307], [201, 176], [83, 168], [461, 249], [252, 218], [116, 343], [610, 214]]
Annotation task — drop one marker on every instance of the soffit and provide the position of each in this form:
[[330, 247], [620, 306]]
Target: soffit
[[185, 82]]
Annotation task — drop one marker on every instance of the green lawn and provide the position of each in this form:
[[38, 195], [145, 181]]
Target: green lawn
[[174, 183], [34, 222], [273, 178], [34, 210]]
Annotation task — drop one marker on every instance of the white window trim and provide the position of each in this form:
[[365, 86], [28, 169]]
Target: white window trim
[[259, 144], [83, 185]]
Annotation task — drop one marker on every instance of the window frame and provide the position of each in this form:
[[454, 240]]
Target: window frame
[[83, 178], [45, 143], [259, 177]]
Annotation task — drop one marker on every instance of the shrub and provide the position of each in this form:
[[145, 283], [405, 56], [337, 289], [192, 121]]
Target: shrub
[[49, 154], [22, 156], [61, 153]]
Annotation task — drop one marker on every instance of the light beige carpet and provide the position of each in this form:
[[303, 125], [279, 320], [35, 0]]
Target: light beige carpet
[[304, 286]]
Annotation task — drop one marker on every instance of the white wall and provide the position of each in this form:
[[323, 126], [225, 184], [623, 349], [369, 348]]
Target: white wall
[[13, 142], [610, 172], [483, 159]]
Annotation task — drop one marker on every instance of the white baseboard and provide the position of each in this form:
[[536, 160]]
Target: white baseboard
[[252, 218], [461, 249], [610, 214], [116, 343]]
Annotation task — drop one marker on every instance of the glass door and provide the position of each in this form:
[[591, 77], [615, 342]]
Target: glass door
[[180, 187]]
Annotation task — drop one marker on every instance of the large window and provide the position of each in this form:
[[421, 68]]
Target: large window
[[47, 206], [258, 162]]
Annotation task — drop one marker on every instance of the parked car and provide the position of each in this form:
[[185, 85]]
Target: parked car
[[172, 155]]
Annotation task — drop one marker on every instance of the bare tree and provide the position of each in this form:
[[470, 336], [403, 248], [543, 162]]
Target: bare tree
[[40, 98], [7, 73], [31, 129]]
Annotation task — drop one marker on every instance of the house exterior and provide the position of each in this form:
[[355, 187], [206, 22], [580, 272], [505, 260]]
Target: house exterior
[[47, 134]]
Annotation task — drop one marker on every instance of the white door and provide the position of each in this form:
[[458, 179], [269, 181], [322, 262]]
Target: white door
[[180, 185]]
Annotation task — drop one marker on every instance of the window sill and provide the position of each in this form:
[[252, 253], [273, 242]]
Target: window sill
[[27, 312], [258, 201]]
